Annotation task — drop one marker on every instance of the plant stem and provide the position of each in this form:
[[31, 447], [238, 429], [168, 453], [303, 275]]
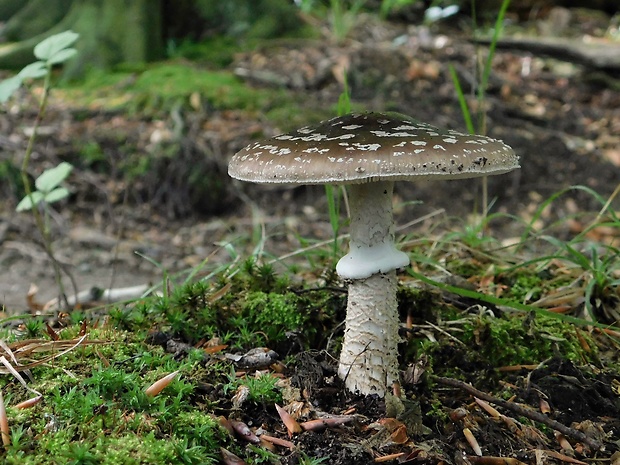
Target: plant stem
[[42, 223]]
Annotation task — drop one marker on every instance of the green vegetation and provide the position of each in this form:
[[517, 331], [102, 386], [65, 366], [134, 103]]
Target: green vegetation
[[240, 314], [161, 86], [485, 306], [166, 87], [95, 409], [261, 389], [50, 52], [522, 340]]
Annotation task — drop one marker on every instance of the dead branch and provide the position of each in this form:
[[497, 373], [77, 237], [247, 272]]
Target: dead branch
[[518, 409]]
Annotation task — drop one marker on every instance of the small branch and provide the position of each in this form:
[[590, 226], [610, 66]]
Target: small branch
[[597, 55], [531, 414]]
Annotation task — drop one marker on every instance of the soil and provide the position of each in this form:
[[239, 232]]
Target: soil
[[562, 119]]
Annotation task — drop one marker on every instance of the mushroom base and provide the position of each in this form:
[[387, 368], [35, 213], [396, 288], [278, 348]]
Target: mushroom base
[[369, 357]]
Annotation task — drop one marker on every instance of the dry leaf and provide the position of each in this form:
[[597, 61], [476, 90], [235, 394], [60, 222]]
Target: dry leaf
[[229, 458], [29, 403], [291, 424], [244, 432], [160, 385], [4, 423]]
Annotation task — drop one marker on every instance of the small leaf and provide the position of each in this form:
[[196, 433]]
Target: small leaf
[[49, 47], [57, 194], [8, 87], [62, 56], [51, 178], [27, 204], [33, 70]]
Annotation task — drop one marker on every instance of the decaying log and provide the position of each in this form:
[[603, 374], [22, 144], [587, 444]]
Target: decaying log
[[596, 55]]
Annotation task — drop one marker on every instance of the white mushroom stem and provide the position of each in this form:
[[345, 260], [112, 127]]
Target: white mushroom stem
[[369, 357], [371, 248]]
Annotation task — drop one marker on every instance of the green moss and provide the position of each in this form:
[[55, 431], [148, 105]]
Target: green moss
[[523, 340], [140, 449], [255, 307], [423, 304], [465, 268], [274, 314], [218, 51], [129, 449], [525, 286], [261, 389], [95, 409], [164, 85]]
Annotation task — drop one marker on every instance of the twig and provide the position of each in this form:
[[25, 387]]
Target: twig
[[445, 333], [531, 414]]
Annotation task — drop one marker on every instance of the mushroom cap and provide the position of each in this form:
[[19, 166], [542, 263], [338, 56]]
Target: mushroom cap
[[366, 147]]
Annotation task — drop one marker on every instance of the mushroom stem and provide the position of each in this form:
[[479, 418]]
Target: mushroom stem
[[369, 357], [371, 248]]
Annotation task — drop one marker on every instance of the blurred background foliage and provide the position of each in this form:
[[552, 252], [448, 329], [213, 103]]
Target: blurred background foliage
[[138, 31]]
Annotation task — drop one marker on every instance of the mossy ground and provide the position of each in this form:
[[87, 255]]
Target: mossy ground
[[177, 85], [95, 411]]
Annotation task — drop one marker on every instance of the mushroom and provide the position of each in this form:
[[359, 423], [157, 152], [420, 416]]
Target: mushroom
[[368, 152]]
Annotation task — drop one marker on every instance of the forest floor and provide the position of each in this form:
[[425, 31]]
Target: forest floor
[[563, 120]]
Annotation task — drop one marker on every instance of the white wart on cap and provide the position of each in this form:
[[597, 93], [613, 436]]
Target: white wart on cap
[[363, 147]]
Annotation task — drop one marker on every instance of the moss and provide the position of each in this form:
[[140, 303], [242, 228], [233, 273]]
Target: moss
[[95, 409], [144, 449], [255, 307], [218, 51], [520, 340], [423, 304], [523, 284], [164, 85], [274, 314], [260, 389], [465, 267]]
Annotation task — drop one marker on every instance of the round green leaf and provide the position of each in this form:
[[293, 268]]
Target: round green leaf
[[8, 87], [29, 201], [49, 47], [33, 70], [51, 178], [62, 56], [57, 194]]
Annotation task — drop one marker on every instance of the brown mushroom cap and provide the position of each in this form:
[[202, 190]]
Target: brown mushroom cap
[[364, 147]]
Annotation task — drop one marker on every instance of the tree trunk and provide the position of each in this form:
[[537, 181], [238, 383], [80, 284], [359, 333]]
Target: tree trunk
[[29, 20], [9, 7], [111, 32]]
